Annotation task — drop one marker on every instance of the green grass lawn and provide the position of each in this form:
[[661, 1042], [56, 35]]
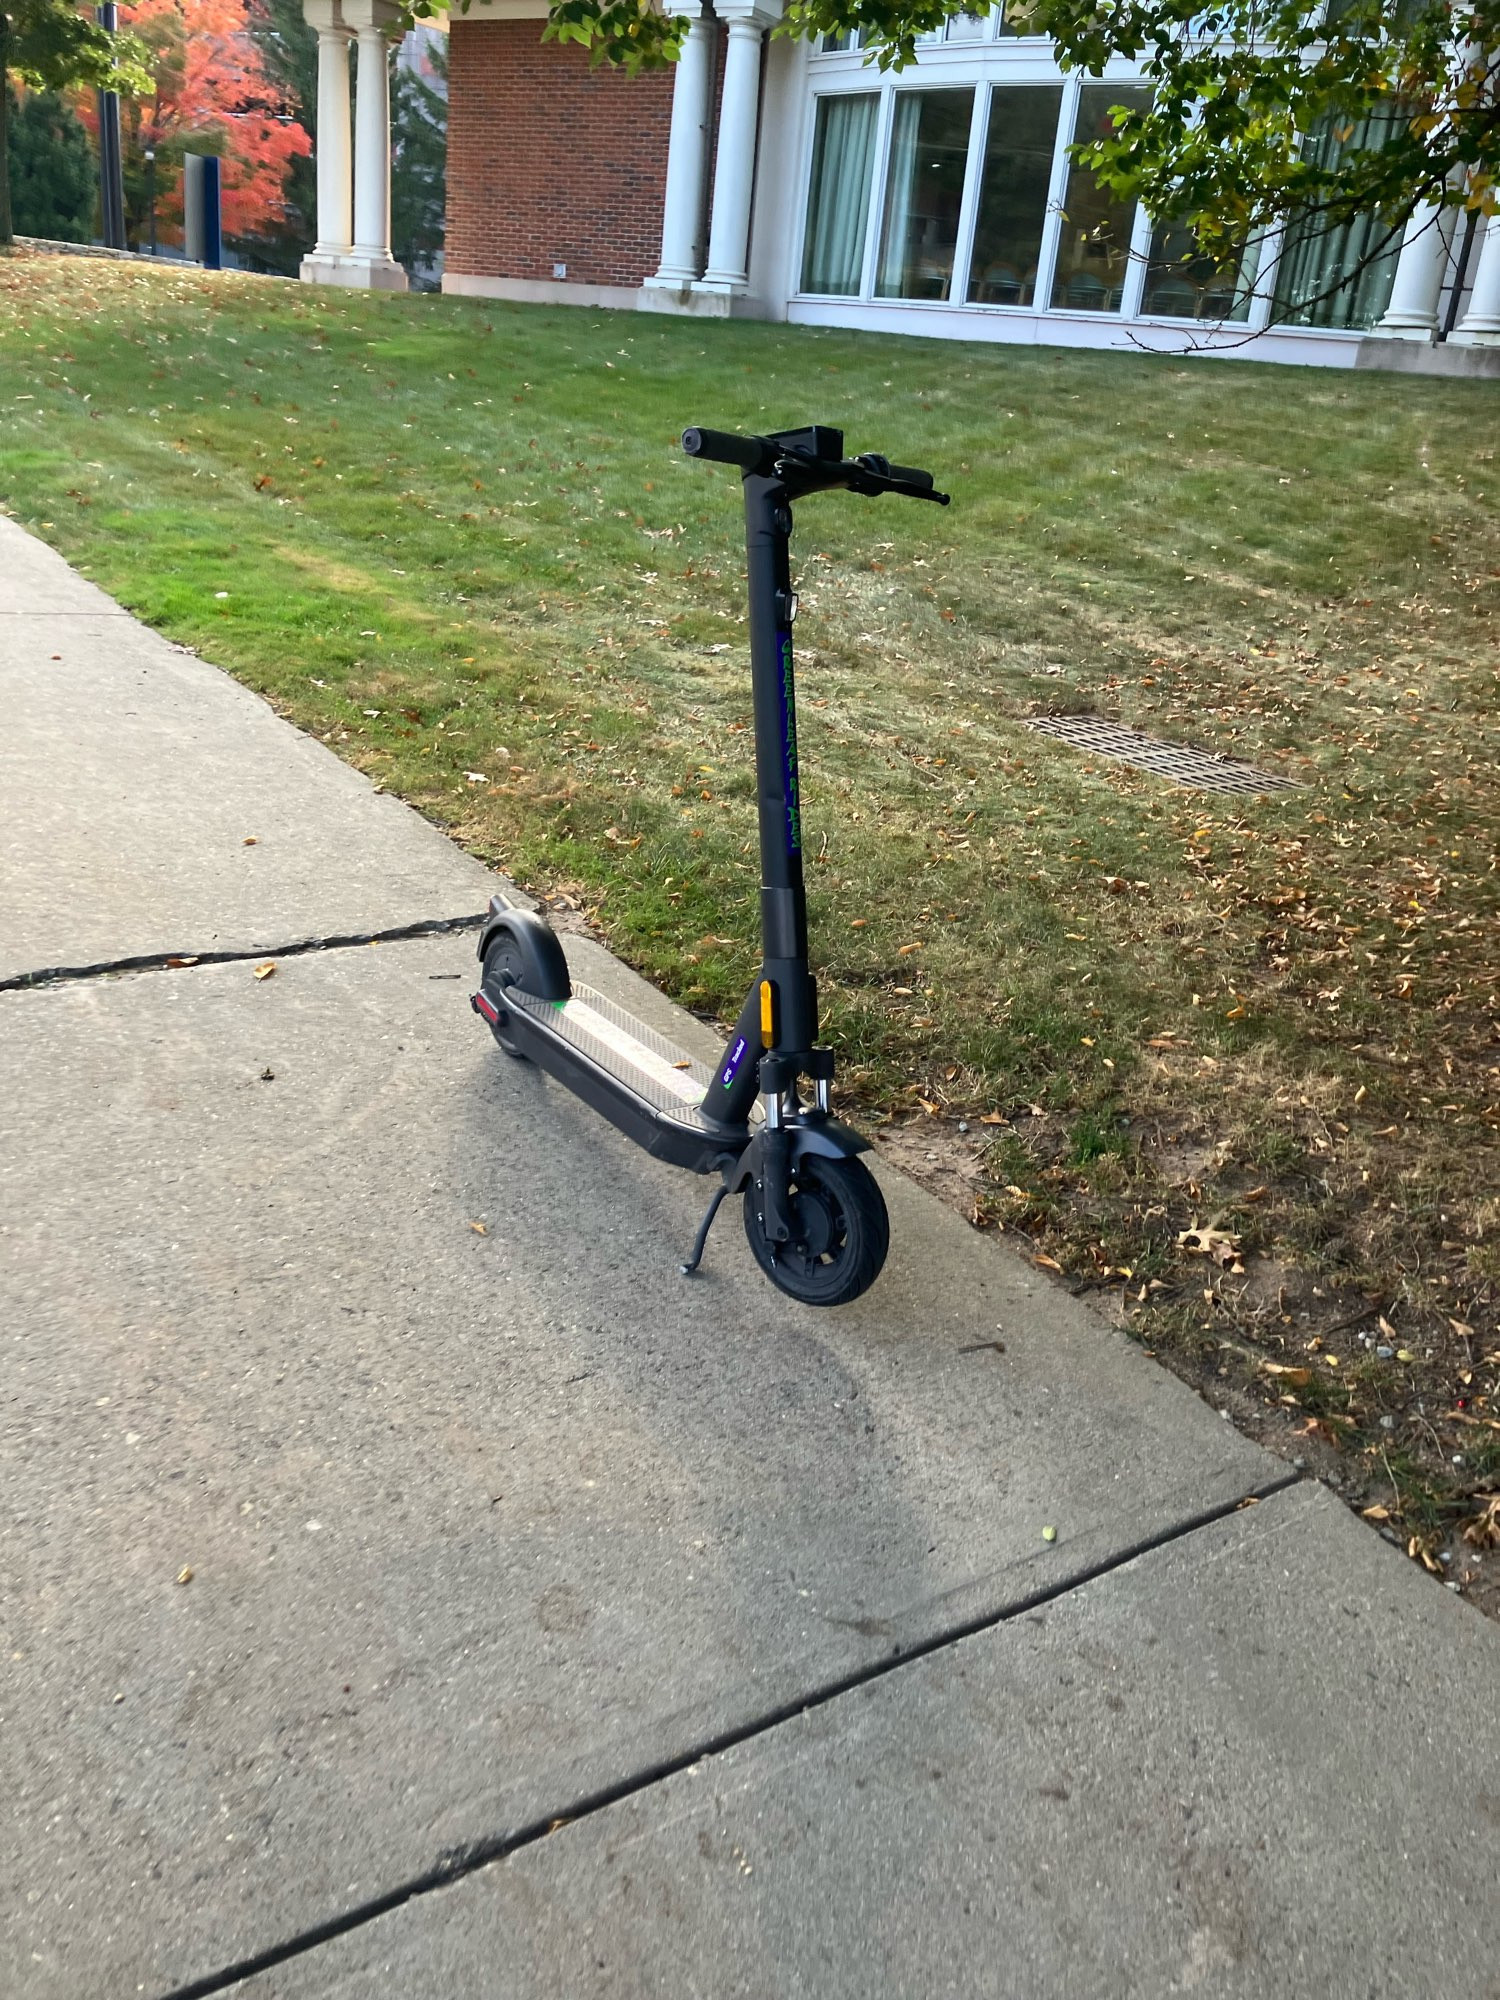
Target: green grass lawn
[[457, 541]]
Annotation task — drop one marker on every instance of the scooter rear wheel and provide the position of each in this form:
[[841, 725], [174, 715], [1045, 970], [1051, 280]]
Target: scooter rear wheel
[[840, 1233], [523, 953]]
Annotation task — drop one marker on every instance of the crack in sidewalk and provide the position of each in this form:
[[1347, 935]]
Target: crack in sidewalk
[[458, 1863], [182, 961]]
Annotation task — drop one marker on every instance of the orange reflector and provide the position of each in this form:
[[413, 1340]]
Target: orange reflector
[[767, 1030]]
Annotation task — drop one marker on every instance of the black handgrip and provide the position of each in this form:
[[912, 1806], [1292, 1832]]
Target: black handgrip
[[747, 452]]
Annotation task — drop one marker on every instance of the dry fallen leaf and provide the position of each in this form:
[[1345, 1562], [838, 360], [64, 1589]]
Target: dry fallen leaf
[[480, 1228], [265, 970], [1297, 1377], [1210, 1241], [185, 1575], [1483, 1532]]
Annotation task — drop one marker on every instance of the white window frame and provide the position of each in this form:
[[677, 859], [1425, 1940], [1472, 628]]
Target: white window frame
[[984, 65]]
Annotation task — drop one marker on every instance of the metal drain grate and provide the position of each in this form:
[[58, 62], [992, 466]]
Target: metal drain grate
[[1198, 769]]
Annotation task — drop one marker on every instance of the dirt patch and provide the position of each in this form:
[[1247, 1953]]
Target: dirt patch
[[1393, 1401]]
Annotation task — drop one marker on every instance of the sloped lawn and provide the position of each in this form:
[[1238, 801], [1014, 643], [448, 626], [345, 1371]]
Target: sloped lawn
[[457, 542]]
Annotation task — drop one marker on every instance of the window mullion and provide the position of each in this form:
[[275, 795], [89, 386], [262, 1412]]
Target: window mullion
[[1046, 263], [878, 192], [1263, 292], [963, 249], [1141, 231]]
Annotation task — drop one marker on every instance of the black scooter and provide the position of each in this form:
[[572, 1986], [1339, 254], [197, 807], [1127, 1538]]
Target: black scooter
[[814, 1215]]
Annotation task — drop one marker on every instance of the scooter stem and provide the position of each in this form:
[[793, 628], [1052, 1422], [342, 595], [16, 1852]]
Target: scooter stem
[[783, 897]]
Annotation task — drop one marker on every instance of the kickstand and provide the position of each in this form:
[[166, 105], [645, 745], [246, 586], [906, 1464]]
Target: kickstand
[[701, 1238]]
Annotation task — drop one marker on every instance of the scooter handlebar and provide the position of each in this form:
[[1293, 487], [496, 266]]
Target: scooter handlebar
[[869, 473]]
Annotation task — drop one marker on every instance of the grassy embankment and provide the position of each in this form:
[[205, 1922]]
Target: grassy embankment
[[457, 542]]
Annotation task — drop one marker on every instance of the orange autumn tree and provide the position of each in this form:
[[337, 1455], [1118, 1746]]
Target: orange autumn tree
[[211, 95]]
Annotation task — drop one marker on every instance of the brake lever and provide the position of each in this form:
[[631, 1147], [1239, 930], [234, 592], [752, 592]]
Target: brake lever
[[910, 492], [874, 484], [873, 481], [878, 469]]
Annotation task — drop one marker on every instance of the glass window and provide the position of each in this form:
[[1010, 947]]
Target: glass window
[[1015, 18], [966, 27], [838, 197], [1093, 255], [1342, 276], [1181, 283], [1018, 153], [830, 45], [924, 189]]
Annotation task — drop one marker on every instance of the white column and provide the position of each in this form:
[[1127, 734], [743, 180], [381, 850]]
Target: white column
[[687, 154], [1413, 311], [370, 259], [331, 143], [734, 163], [1480, 325], [334, 189]]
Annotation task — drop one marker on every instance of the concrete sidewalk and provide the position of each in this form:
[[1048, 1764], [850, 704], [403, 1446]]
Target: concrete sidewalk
[[503, 1529]]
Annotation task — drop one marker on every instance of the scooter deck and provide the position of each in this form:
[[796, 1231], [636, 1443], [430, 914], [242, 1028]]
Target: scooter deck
[[655, 1069], [642, 1081]]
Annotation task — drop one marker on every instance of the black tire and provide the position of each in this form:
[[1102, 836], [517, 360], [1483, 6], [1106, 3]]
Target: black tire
[[524, 952], [840, 1233]]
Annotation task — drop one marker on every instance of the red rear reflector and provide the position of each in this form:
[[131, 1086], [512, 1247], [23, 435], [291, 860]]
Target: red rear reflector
[[484, 1005]]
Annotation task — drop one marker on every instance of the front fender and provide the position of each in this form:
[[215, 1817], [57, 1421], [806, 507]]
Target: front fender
[[826, 1136]]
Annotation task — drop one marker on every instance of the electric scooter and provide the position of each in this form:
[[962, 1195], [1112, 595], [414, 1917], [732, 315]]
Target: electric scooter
[[814, 1216]]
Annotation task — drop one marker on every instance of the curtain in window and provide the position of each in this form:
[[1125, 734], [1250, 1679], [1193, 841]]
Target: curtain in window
[[899, 188], [838, 198], [1339, 277]]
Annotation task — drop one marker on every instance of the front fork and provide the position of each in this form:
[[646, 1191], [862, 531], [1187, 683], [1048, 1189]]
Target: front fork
[[753, 1066], [791, 1131]]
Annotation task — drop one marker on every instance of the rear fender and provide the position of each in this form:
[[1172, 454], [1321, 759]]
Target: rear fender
[[538, 941]]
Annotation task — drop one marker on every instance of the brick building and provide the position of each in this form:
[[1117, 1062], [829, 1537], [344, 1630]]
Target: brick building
[[781, 179]]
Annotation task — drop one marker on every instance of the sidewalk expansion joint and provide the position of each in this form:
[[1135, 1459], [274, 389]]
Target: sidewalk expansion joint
[[458, 1863], [182, 961]]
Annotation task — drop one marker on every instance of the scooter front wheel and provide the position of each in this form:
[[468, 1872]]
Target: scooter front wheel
[[840, 1232]]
